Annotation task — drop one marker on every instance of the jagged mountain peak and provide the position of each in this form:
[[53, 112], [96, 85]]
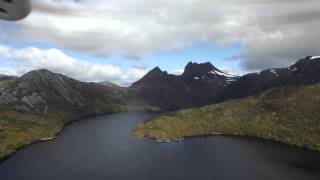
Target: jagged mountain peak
[[199, 67], [154, 74], [197, 70], [198, 85], [156, 71]]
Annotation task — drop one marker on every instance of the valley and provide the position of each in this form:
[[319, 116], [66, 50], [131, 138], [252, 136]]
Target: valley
[[159, 90], [38, 104]]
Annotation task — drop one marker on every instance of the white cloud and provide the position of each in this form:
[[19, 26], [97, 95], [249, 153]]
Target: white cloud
[[177, 71], [8, 71], [272, 32], [55, 60], [234, 71]]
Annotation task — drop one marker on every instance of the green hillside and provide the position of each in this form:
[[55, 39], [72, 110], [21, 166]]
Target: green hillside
[[288, 114]]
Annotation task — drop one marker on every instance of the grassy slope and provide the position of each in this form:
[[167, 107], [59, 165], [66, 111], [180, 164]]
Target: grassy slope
[[288, 114], [19, 129]]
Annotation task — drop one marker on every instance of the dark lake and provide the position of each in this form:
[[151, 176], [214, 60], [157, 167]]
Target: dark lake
[[102, 148]]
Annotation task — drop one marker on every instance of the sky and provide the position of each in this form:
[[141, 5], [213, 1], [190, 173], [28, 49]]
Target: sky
[[121, 40]]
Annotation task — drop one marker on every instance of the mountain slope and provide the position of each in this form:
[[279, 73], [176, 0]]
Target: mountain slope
[[287, 114]]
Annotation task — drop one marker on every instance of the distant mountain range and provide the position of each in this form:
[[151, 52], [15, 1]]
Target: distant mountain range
[[7, 78], [42, 91], [42, 101], [304, 71], [203, 84]]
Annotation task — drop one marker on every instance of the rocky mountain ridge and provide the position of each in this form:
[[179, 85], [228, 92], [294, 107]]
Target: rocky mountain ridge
[[304, 71], [198, 85], [203, 84]]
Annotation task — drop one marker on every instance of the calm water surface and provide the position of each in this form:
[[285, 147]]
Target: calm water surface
[[101, 148]]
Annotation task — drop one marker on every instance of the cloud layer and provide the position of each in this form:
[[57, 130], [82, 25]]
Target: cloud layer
[[54, 60], [271, 32]]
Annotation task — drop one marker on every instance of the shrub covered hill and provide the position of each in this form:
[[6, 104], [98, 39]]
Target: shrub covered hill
[[287, 110], [289, 114]]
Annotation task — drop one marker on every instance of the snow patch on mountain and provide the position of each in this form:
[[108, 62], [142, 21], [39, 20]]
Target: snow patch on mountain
[[273, 71], [315, 57], [221, 73]]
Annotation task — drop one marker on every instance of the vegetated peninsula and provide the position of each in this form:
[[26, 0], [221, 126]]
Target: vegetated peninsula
[[284, 106], [289, 114]]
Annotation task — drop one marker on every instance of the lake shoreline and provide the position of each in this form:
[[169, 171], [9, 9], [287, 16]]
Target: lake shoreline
[[236, 135], [109, 151], [61, 129]]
